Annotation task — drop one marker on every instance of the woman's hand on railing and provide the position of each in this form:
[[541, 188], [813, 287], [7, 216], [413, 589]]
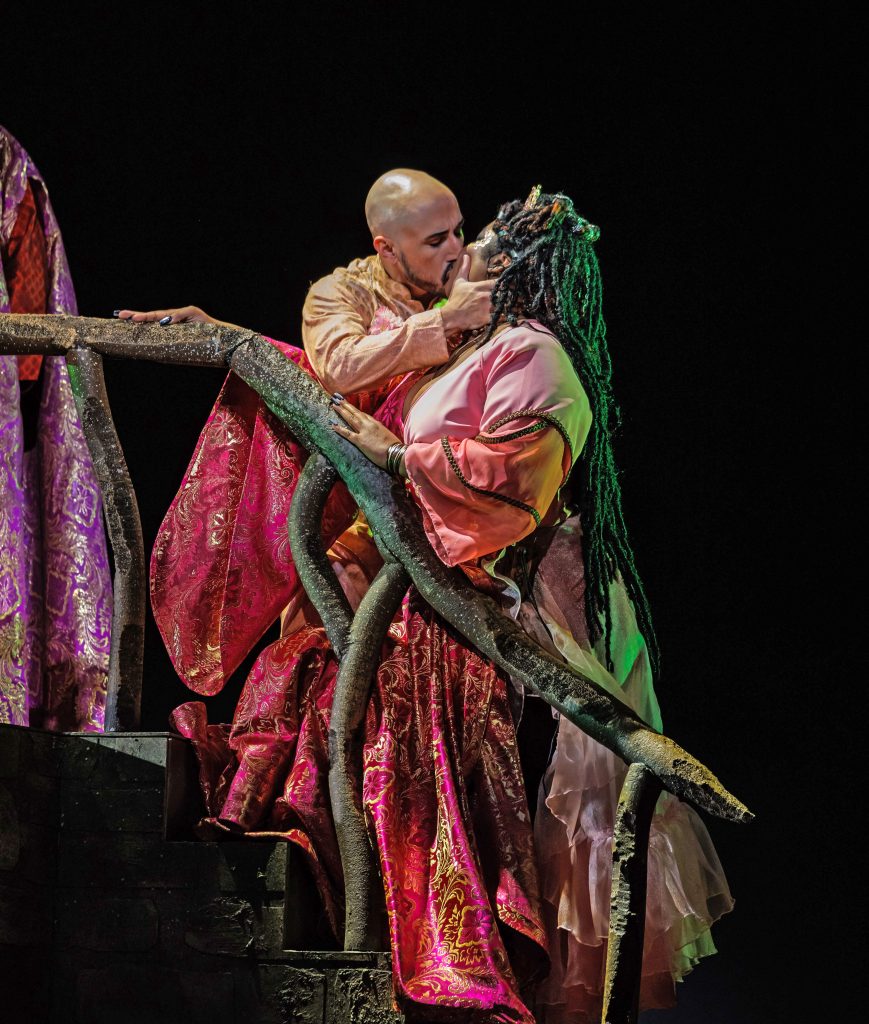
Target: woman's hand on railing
[[184, 315], [369, 435]]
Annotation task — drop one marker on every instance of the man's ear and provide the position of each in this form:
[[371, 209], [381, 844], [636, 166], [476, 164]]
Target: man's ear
[[384, 248]]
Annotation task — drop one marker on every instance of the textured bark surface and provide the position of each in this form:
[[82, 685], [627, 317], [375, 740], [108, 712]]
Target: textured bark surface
[[309, 555], [124, 690], [357, 641], [188, 344], [304, 406], [624, 960], [353, 686]]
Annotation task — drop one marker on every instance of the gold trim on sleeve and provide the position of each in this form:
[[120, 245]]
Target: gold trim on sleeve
[[540, 414], [515, 502]]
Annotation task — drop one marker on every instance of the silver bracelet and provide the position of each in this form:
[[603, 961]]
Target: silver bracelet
[[394, 454]]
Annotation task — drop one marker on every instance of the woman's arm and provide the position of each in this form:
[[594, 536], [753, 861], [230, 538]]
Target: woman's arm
[[480, 494]]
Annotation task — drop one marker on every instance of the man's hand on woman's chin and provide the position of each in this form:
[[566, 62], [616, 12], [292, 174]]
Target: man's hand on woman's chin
[[469, 304]]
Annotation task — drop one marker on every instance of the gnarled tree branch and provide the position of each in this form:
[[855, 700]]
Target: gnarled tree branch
[[304, 407], [313, 487], [624, 958], [124, 690], [352, 689]]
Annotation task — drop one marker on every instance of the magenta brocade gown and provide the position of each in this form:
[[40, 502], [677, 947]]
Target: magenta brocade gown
[[475, 901]]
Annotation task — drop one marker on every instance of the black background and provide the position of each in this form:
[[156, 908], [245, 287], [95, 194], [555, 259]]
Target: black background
[[219, 155]]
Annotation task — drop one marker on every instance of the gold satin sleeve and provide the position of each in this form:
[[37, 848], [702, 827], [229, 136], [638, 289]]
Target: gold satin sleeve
[[335, 322]]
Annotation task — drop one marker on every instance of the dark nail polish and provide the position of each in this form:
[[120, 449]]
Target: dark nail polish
[[116, 312], [337, 398], [165, 320]]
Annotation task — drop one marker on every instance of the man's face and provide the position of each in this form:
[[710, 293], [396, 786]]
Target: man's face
[[429, 243]]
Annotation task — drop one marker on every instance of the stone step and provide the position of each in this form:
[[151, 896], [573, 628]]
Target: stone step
[[109, 907]]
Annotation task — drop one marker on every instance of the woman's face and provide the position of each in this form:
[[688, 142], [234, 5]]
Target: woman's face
[[484, 262], [481, 252]]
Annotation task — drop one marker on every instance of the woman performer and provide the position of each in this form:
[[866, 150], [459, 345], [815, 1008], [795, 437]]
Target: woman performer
[[507, 451], [523, 401]]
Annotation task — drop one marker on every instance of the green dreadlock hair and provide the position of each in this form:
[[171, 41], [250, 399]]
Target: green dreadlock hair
[[553, 277]]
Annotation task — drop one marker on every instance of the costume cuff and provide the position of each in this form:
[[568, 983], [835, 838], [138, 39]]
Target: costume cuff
[[430, 341]]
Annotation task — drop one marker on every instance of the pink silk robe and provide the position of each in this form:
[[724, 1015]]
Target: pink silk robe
[[360, 329]]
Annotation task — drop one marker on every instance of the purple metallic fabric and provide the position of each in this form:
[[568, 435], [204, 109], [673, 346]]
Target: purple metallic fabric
[[55, 583]]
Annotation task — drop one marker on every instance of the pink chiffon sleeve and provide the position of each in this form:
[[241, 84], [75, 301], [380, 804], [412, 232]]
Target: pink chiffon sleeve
[[480, 494]]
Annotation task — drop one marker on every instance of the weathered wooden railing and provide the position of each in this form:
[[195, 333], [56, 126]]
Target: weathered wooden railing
[[656, 761]]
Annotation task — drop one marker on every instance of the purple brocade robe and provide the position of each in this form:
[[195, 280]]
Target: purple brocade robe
[[55, 583]]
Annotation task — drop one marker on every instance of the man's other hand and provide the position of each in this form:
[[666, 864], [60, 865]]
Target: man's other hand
[[470, 303], [184, 315]]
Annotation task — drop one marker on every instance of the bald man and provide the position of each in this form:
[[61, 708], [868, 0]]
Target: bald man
[[363, 326], [368, 323], [372, 321]]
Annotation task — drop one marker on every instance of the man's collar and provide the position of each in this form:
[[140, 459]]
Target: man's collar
[[395, 289]]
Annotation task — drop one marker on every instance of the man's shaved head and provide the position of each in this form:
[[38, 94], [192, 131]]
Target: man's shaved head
[[398, 196], [416, 228]]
